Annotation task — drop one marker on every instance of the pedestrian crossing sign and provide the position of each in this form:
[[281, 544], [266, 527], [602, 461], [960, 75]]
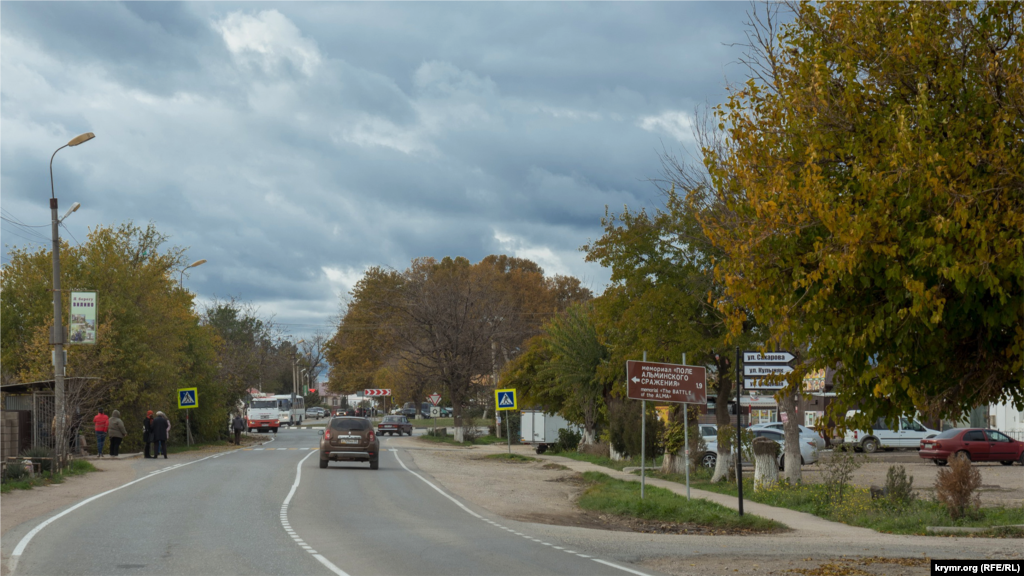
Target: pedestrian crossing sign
[[188, 398], [506, 399]]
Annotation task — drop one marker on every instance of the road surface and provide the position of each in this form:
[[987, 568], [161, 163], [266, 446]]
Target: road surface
[[272, 510]]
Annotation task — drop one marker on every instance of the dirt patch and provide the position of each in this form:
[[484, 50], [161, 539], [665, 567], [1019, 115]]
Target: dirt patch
[[743, 566], [1001, 485]]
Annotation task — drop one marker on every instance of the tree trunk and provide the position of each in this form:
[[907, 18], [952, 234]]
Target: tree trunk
[[725, 459], [766, 463], [588, 436], [614, 454], [794, 474], [674, 463]]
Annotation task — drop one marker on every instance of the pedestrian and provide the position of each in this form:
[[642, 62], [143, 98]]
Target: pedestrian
[[117, 432], [147, 432], [238, 424], [100, 423], [161, 428]]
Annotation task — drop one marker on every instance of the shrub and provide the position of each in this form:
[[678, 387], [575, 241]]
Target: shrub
[[438, 432], [568, 441], [470, 433], [624, 427], [15, 471], [836, 473], [956, 487], [899, 488], [596, 449], [41, 455]]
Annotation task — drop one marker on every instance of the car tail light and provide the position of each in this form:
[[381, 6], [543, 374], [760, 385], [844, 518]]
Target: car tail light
[[372, 435], [811, 443], [854, 434], [327, 434]]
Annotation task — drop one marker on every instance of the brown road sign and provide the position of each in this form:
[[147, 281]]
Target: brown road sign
[[659, 382]]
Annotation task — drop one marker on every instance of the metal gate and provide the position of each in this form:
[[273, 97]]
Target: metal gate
[[43, 422]]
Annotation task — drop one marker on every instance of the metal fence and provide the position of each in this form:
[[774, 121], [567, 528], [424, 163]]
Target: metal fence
[[43, 423], [1017, 434]]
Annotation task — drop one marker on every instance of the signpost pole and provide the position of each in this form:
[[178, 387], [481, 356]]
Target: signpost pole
[[686, 439], [643, 438], [508, 432], [739, 445]]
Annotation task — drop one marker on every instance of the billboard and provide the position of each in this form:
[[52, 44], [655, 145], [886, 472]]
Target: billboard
[[82, 327]]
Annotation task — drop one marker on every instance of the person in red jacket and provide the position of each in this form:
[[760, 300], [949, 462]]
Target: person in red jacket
[[102, 422]]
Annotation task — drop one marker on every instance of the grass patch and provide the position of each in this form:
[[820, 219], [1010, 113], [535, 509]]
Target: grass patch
[[622, 498], [858, 509], [451, 440], [511, 458], [76, 468], [608, 462]]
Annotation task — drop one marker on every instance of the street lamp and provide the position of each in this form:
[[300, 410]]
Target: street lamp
[[295, 379], [57, 337], [181, 277]]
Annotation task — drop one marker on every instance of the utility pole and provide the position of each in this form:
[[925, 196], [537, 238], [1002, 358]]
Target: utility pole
[[57, 337]]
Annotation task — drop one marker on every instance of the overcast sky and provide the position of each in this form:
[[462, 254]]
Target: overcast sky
[[292, 145]]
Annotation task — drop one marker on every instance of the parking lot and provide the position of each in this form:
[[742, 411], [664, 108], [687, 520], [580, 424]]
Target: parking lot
[[1000, 485]]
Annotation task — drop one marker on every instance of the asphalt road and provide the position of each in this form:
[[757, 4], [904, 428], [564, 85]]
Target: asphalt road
[[272, 510]]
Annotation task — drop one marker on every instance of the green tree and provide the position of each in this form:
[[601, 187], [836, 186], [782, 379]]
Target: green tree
[[868, 198]]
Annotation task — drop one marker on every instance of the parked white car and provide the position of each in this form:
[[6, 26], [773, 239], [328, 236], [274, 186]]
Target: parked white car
[[709, 432], [907, 434], [805, 432], [808, 448]]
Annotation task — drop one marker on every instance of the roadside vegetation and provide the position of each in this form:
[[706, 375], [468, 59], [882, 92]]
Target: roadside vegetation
[[16, 476], [516, 458], [622, 498], [479, 440], [857, 507]]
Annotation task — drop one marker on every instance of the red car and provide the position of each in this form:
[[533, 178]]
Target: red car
[[978, 444], [394, 424]]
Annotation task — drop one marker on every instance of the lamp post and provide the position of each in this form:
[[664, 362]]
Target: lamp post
[[57, 337], [295, 379], [181, 277]]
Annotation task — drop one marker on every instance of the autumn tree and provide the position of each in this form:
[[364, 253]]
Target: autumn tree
[[663, 293], [868, 199]]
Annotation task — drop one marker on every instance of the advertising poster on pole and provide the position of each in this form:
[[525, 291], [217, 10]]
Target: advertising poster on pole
[[82, 327]]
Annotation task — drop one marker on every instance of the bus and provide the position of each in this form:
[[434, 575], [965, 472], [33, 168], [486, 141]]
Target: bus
[[268, 413]]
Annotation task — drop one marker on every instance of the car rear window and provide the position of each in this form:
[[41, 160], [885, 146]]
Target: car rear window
[[350, 424], [392, 419], [949, 433]]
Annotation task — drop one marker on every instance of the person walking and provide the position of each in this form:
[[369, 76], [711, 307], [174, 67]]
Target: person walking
[[117, 432], [147, 433], [100, 424], [238, 424], [161, 427]]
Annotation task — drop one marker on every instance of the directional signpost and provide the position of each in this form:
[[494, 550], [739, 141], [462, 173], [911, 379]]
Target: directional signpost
[[188, 398], [758, 365], [505, 399], [660, 382], [378, 392]]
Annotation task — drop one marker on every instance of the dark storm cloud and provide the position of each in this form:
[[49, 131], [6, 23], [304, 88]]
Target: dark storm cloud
[[294, 144]]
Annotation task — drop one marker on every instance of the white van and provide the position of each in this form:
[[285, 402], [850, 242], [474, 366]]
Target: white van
[[908, 434]]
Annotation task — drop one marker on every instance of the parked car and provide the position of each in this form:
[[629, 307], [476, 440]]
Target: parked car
[[314, 412], [349, 439], [978, 444], [409, 412], [391, 425], [709, 432], [808, 448], [804, 432], [908, 433]]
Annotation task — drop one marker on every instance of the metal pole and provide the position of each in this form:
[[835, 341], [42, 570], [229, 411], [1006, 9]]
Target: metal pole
[[295, 381], [58, 328], [739, 445], [643, 439], [686, 440], [508, 432]]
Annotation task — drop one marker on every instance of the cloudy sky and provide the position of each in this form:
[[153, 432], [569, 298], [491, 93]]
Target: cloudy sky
[[294, 144]]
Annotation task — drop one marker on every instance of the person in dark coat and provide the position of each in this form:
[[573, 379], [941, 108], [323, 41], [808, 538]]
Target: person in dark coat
[[161, 425], [238, 424], [147, 432]]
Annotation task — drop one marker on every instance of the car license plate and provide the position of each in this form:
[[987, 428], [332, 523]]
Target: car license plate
[[350, 440]]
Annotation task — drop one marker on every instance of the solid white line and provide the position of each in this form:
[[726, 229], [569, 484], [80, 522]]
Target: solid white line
[[623, 568], [20, 548], [461, 505], [284, 510], [442, 492]]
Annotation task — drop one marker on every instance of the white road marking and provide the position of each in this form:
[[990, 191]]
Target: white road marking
[[461, 505], [284, 517], [20, 548]]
